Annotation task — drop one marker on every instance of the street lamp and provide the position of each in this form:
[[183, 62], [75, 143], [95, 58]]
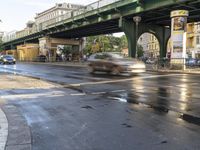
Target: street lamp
[[136, 19], [1, 33]]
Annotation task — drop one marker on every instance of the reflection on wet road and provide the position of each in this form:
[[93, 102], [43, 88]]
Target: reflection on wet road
[[106, 112]]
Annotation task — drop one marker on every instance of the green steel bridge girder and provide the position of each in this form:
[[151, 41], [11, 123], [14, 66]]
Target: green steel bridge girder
[[160, 32]]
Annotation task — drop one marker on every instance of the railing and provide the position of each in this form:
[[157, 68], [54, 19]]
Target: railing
[[94, 6], [47, 24], [175, 64]]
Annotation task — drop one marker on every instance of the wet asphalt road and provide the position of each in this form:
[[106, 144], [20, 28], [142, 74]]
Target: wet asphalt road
[[103, 112]]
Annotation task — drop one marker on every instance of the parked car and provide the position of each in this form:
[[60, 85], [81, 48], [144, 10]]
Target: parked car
[[150, 61], [198, 62], [41, 58], [7, 59], [191, 62], [114, 63]]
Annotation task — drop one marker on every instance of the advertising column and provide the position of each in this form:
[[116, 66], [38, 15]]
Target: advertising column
[[178, 36]]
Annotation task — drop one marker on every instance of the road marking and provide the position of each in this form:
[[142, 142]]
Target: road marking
[[98, 93], [116, 91], [120, 80], [78, 94], [34, 95], [3, 130]]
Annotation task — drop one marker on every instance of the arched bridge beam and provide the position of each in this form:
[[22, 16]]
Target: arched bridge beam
[[161, 33]]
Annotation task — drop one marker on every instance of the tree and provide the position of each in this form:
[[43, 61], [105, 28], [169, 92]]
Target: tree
[[1, 48], [140, 51], [105, 43], [67, 49], [124, 42]]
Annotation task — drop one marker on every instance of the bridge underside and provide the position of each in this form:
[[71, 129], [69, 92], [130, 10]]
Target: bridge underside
[[90, 30], [161, 15]]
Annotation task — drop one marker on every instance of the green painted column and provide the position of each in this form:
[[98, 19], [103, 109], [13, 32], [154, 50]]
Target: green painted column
[[160, 32], [128, 27], [163, 35]]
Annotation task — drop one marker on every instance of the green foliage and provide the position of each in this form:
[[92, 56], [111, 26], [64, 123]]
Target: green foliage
[[105, 43], [140, 51], [1, 48], [124, 42], [67, 49]]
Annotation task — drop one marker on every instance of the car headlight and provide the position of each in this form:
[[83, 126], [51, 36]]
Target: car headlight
[[4, 59], [14, 59]]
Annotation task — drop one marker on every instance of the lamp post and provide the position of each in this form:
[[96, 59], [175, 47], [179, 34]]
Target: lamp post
[[1, 32], [136, 19]]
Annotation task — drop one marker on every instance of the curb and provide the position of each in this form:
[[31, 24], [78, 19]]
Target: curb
[[175, 71], [58, 64], [19, 134], [3, 130]]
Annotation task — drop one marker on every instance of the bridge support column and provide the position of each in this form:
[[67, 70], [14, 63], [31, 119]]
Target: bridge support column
[[129, 28], [163, 35]]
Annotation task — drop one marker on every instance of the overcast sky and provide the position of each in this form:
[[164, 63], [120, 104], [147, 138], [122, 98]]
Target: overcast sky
[[16, 13]]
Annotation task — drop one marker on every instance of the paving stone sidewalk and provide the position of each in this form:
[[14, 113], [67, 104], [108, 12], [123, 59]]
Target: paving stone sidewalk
[[19, 137], [3, 130]]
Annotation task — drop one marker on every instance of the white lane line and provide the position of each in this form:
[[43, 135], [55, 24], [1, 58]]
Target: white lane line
[[34, 95], [78, 94], [116, 91], [98, 93], [3, 130], [120, 80]]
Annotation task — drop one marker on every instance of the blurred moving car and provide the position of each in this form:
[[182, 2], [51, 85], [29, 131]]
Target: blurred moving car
[[7, 59], [114, 63]]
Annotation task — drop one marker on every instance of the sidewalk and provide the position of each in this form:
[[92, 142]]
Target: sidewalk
[[15, 133], [3, 130], [165, 70], [187, 71]]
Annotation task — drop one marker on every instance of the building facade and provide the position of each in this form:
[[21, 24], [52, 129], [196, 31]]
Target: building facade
[[54, 14], [150, 45], [196, 50], [8, 36]]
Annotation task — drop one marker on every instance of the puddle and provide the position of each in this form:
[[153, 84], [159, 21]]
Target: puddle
[[160, 109], [87, 107], [190, 119]]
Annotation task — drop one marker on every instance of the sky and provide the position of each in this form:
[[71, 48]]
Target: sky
[[14, 14]]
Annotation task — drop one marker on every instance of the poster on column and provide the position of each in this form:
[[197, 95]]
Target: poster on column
[[179, 27]]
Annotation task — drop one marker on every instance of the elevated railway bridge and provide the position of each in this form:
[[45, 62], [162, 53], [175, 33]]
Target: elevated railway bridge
[[111, 16]]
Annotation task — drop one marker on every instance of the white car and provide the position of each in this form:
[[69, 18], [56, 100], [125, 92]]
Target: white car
[[114, 63]]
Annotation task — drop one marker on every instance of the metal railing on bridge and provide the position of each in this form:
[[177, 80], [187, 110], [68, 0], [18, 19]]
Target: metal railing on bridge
[[80, 11], [64, 17]]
